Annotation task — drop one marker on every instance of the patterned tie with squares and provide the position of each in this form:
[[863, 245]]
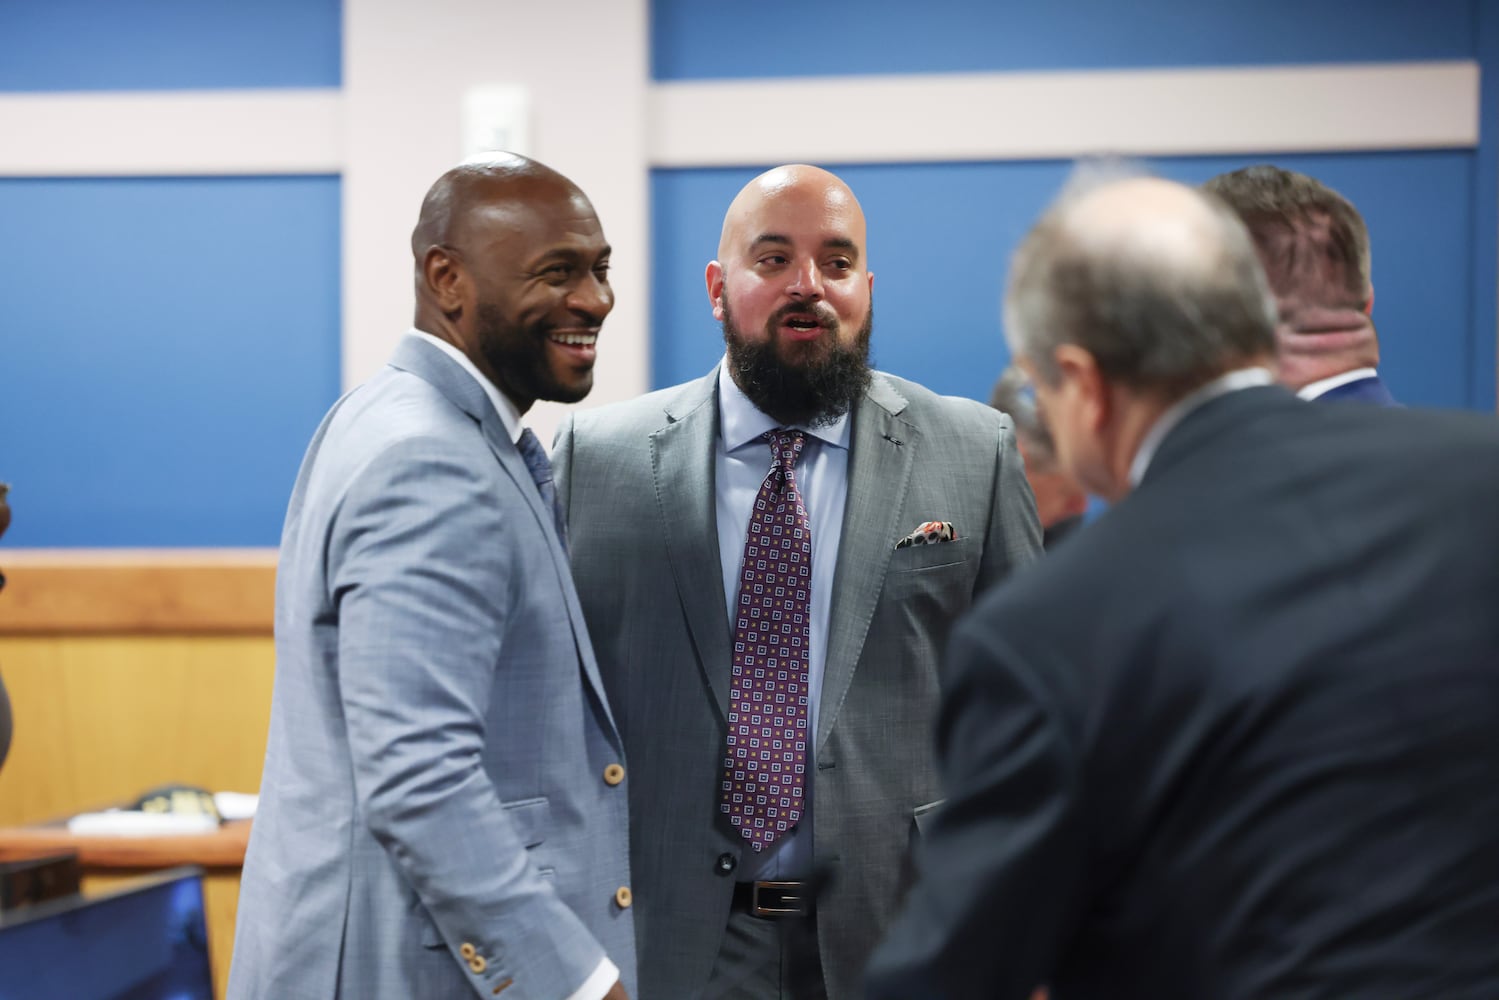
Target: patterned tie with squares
[[765, 760]]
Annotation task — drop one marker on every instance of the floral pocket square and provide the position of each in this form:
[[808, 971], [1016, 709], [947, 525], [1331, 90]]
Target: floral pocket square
[[929, 534]]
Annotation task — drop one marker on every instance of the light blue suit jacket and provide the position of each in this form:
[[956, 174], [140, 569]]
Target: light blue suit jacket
[[434, 816]]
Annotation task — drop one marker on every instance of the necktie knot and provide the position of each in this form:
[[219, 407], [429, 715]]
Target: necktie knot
[[786, 445]]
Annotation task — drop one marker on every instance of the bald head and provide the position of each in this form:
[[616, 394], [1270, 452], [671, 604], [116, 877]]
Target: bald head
[[812, 188], [464, 190], [1158, 282]]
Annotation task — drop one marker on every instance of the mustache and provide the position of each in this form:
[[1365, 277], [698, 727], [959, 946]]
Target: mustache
[[820, 311]]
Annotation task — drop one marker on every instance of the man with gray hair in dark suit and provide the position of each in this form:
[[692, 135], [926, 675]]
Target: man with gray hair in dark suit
[[1221, 744]]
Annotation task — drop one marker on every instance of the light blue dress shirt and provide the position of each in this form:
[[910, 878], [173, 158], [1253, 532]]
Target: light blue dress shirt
[[741, 463]]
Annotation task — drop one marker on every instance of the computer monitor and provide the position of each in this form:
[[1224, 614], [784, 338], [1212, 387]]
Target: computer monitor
[[146, 941]]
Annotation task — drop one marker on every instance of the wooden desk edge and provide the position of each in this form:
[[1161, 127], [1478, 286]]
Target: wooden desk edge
[[138, 591], [224, 848]]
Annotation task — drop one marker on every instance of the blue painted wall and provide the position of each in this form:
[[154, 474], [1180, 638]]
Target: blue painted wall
[[940, 237], [941, 234], [169, 44], [168, 348], [167, 345], [694, 40]]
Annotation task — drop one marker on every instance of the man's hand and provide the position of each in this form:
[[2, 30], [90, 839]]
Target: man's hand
[[617, 992]]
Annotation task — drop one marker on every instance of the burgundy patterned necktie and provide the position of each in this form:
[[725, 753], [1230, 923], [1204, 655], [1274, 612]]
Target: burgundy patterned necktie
[[765, 760]]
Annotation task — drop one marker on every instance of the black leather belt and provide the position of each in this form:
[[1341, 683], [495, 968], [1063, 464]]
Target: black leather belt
[[774, 899]]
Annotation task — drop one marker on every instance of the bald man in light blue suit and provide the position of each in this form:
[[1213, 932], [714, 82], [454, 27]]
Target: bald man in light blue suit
[[443, 809]]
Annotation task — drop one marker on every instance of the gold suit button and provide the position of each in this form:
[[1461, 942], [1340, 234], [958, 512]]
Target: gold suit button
[[467, 950], [477, 964], [613, 774], [622, 897]]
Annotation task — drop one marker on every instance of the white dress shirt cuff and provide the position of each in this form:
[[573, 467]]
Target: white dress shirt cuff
[[596, 985]]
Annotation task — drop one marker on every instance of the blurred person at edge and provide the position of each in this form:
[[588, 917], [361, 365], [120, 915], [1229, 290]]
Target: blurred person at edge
[[1060, 501]]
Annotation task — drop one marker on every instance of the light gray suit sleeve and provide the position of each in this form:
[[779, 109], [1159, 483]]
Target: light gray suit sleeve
[[1014, 540], [562, 464], [423, 574]]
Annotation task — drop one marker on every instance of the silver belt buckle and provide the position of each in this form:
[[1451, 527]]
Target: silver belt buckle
[[791, 903]]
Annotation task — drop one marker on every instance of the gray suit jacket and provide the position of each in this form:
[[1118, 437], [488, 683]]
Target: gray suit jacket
[[638, 482], [433, 816]]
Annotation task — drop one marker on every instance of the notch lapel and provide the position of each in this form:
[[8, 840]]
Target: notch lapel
[[432, 365], [879, 471], [682, 460]]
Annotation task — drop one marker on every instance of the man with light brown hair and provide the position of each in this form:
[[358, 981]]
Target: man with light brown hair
[[1314, 247]]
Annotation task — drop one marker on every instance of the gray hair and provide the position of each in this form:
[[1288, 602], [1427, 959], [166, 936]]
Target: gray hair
[[1158, 282]]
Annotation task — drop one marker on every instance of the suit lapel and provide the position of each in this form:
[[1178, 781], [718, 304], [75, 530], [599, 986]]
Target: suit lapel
[[881, 452], [432, 365], [682, 456]]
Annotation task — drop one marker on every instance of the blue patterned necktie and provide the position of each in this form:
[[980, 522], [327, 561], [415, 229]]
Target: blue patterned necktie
[[540, 468], [765, 760]]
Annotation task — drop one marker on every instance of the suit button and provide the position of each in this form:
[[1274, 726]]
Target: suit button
[[613, 775], [477, 964], [726, 864], [623, 898], [467, 950]]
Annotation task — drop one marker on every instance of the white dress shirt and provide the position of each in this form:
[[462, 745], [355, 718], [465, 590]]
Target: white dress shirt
[[606, 973], [1241, 378], [1323, 386], [509, 415], [741, 463]]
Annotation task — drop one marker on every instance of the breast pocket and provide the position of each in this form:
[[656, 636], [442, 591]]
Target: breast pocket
[[931, 569]]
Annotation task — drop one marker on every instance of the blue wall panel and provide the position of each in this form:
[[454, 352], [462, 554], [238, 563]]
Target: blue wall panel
[[940, 237], [695, 40], [169, 44], [167, 347]]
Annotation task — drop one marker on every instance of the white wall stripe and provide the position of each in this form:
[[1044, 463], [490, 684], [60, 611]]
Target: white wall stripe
[[171, 133], [1008, 116], [920, 118]]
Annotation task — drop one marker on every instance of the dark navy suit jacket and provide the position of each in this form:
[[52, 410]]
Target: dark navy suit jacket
[[1239, 738]]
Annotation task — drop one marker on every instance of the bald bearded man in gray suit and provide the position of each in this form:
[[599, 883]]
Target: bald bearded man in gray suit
[[665, 497]]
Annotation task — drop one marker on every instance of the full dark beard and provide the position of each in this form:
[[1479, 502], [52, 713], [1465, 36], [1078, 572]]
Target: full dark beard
[[518, 357], [813, 393]]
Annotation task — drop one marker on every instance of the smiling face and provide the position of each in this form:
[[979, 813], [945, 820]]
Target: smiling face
[[793, 293], [513, 270], [540, 274]]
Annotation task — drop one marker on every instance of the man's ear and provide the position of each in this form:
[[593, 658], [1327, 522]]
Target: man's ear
[[446, 280], [1080, 373], [714, 278], [1369, 305]]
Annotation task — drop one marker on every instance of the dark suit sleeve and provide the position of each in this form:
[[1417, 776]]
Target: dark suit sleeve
[[1014, 529], [1005, 859]]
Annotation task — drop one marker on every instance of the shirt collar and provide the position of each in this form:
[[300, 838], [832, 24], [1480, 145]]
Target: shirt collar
[[1242, 378], [742, 422], [509, 415], [1323, 386]]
